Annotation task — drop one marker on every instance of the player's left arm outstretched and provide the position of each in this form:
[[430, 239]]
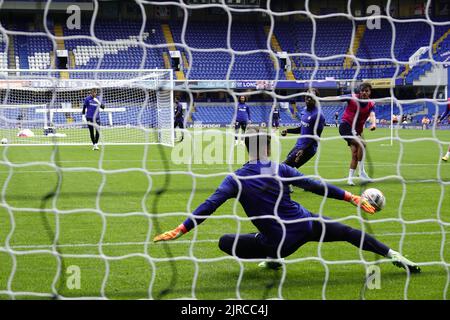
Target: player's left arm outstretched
[[373, 121], [298, 130], [228, 189], [329, 190]]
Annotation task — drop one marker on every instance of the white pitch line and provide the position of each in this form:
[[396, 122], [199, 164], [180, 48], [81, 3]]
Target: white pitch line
[[206, 169], [113, 244], [106, 244]]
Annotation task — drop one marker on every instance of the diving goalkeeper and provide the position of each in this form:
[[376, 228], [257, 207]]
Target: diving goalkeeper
[[283, 224], [91, 116]]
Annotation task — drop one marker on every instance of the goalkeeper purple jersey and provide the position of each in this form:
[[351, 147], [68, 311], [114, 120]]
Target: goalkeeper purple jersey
[[90, 107], [258, 196]]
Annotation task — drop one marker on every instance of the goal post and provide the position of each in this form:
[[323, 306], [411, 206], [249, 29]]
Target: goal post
[[138, 106]]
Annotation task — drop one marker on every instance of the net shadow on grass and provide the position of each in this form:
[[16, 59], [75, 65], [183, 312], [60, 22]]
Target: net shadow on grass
[[46, 200]]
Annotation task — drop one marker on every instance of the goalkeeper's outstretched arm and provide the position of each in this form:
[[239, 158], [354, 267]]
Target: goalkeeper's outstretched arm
[[373, 121], [228, 189], [296, 130], [331, 191]]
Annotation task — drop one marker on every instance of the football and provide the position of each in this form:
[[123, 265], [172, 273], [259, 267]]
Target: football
[[4, 141], [375, 197]]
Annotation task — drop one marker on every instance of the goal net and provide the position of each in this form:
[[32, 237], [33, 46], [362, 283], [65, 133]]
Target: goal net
[[41, 108], [76, 223]]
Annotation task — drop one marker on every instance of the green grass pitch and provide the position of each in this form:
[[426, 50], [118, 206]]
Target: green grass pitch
[[105, 196]]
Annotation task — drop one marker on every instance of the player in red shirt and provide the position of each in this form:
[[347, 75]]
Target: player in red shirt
[[444, 116], [352, 126]]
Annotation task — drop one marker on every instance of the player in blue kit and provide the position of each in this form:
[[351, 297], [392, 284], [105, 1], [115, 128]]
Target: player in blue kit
[[91, 116], [179, 121], [276, 117], [242, 118], [312, 123], [261, 187]]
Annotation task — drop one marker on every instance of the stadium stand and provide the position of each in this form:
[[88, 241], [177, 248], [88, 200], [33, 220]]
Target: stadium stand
[[214, 65], [440, 52], [118, 47], [121, 49], [333, 37]]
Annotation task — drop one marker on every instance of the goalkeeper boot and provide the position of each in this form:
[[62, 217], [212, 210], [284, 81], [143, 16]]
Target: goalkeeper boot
[[95, 147], [445, 158], [271, 264], [350, 182], [401, 262]]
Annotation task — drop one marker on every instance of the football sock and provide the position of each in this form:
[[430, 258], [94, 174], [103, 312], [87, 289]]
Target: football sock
[[390, 253], [351, 173], [361, 167]]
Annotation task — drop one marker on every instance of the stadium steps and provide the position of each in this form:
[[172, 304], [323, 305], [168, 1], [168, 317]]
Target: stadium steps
[[185, 61], [72, 59], [168, 36], [166, 60], [435, 49], [59, 33], [169, 40], [11, 53], [440, 40], [180, 75], [277, 48], [360, 30], [405, 73], [294, 110]]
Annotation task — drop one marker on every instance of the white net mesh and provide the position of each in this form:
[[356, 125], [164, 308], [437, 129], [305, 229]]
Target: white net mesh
[[138, 107], [56, 232]]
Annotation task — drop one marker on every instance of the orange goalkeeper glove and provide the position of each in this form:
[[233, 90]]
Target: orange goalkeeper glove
[[359, 201], [172, 234]]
